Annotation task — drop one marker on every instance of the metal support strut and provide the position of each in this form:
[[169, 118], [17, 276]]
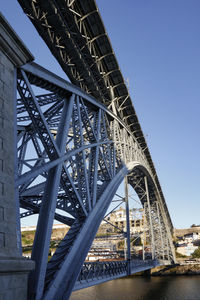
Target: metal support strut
[[150, 219], [128, 241]]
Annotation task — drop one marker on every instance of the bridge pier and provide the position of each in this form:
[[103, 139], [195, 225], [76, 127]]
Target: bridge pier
[[14, 268], [147, 273]]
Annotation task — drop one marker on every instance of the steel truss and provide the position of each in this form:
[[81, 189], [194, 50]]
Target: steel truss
[[73, 152], [75, 34]]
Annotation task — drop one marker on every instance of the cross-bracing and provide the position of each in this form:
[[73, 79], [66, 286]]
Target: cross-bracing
[[75, 147], [80, 153]]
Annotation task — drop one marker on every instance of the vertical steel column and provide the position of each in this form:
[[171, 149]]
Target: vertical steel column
[[128, 251], [160, 228], [167, 229], [168, 249], [150, 220], [47, 211], [144, 233], [125, 248], [113, 103], [143, 253]]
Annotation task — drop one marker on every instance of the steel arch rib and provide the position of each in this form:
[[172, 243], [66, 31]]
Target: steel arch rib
[[61, 287], [47, 211]]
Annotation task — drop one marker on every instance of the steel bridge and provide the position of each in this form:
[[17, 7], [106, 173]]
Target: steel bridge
[[76, 143]]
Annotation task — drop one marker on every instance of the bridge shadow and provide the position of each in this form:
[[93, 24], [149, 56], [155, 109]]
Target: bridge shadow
[[163, 270]]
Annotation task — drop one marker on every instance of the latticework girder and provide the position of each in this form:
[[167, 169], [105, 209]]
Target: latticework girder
[[69, 170]]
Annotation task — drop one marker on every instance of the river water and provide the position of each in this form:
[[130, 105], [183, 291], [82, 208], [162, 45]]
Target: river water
[[143, 288]]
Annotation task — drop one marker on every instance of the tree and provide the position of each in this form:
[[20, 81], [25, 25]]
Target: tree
[[196, 253], [193, 225]]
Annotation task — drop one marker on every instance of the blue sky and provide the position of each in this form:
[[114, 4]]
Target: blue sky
[[157, 44]]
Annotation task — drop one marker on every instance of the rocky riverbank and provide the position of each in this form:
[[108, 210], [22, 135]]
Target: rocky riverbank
[[188, 269]]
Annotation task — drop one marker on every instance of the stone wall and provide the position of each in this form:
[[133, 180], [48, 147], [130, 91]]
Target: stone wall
[[13, 268], [8, 241]]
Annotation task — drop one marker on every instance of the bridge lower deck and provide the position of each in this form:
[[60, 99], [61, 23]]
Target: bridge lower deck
[[93, 273]]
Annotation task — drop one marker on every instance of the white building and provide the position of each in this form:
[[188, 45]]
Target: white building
[[186, 249], [136, 217]]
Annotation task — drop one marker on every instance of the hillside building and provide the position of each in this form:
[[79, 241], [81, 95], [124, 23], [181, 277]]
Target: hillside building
[[136, 217]]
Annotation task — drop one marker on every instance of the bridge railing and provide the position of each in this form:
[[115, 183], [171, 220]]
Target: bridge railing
[[102, 269], [97, 272]]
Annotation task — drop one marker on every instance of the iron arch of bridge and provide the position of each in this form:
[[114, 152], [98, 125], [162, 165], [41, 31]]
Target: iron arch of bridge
[[63, 284], [72, 155]]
